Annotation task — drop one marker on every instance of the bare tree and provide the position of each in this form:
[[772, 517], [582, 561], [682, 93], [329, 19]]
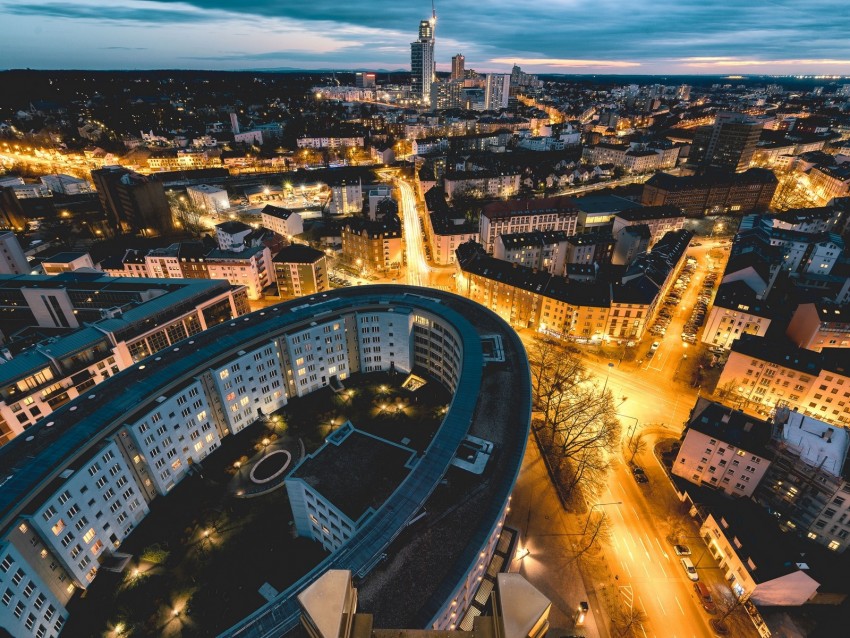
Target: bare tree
[[575, 417], [637, 444], [725, 608], [627, 620]]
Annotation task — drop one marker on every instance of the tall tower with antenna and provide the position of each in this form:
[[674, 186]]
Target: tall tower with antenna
[[422, 63]]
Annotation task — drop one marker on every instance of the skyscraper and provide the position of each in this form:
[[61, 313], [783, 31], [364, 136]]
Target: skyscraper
[[728, 144], [422, 67], [458, 66]]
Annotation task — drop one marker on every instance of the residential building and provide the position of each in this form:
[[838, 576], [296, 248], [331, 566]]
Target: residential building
[[346, 198], [762, 564], [330, 505], [107, 325], [250, 267], [521, 216], [125, 450], [283, 221], [712, 194], [820, 325], [829, 182], [458, 62], [737, 310], [724, 449], [592, 247], [630, 241], [659, 219], [728, 144], [497, 91], [761, 375], [373, 246], [536, 249], [481, 183], [332, 141], [806, 485], [136, 203], [300, 270], [231, 235]]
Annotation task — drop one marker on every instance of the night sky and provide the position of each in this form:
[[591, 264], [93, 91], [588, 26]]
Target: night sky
[[556, 36]]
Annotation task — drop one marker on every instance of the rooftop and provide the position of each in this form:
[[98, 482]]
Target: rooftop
[[730, 426], [815, 442], [355, 471], [782, 353], [509, 208], [298, 254], [644, 213]]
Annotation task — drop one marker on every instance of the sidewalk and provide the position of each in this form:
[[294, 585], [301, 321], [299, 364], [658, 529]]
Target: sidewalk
[[547, 532]]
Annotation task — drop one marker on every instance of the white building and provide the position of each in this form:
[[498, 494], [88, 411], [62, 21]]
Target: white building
[[91, 512], [346, 198], [282, 221], [724, 449], [13, 261], [522, 216], [66, 184], [497, 91], [208, 198], [250, 267]]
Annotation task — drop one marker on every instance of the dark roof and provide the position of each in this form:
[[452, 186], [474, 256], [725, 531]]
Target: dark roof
[[232, 227], [733, 294], [533, 238], [559, 204], [730, 426], [298, 254], [446, 224], [604, 204], [472, 258], [773, 552], [63, 258], [276, 211], [355, 471], [388, 227], [668, 182], [780, 352], [650, 212]]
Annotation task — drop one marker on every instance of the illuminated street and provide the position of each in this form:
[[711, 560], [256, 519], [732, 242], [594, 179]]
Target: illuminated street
[[418, 270]]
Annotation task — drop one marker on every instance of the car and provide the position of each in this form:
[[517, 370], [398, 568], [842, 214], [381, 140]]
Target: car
[[639, 474], [689, 568], [654, 346], [682, 550], [705, 598]]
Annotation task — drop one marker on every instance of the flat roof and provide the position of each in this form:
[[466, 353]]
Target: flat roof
[[355, 471]]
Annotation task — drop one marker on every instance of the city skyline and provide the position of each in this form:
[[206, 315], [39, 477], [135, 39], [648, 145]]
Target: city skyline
[[562, 37]]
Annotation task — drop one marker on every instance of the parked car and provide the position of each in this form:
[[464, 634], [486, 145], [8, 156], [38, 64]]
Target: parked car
[[639, 474], [654, 346], [682, 550], [689, 568], [705, 598]]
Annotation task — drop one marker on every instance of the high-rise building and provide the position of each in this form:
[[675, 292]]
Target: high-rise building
[[458, 62], [422, 66], [497, 91], [683, 93], [728, 144], [136, 203]]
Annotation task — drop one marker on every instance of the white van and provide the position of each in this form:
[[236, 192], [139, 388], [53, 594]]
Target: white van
[[690, 570]]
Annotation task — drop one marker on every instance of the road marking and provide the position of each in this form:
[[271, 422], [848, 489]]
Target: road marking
[[646, 569], [658, 598], [680, 604], [628, 571], [635, 511], [663, 553]]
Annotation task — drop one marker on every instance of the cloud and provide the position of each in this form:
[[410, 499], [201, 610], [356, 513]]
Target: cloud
[[739, 62], [561, 63], [657, 35]]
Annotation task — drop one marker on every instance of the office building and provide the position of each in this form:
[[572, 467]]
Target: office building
[[364, 80], [728, 144], [422, 62]]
